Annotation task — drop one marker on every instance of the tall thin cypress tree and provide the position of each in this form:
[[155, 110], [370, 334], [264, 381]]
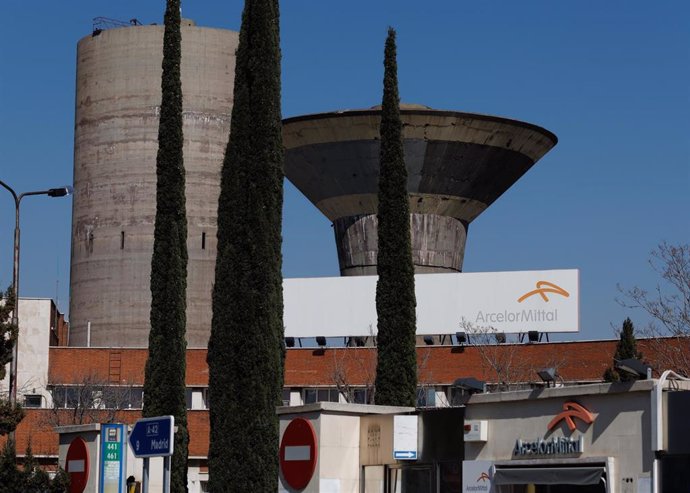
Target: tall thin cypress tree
[[245, 353], [396, 369], [164, 384], [625, 348]]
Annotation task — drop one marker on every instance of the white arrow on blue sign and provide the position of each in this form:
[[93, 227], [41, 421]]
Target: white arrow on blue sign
[[405, 454], [153, 437]]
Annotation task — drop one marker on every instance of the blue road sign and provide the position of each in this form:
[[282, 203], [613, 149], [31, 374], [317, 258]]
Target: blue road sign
[[153, 437], [405, 454]]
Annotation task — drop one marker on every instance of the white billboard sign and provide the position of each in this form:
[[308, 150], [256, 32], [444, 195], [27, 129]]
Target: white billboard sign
[[510, 302]]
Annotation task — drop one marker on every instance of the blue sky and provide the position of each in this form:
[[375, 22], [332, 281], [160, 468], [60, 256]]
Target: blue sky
[[610, 79]]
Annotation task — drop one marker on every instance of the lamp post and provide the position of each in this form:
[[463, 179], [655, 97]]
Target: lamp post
[[52, 192]]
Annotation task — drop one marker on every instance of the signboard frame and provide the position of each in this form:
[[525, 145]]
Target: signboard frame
[[405, 437], [510, 302], [165, 429], [113, 454]]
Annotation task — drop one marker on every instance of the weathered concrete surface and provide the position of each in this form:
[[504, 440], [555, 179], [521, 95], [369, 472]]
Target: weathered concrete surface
[[116, 140], [458, 164]]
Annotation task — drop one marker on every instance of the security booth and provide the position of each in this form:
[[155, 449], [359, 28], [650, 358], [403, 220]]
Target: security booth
[[599, 438], [94, 456], [79, 455], [320, 445]]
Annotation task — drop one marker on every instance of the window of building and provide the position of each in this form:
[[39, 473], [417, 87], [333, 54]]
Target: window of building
[[121, 397], [33, 400], [89, 396], [203, 241], [426, 397], [360, 396], [68, 396], [286, 397], [321, 395]]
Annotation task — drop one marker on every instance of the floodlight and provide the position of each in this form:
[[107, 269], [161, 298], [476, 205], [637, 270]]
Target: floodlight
[[634, 367], [470, 384], [461, 337], [428, 340], [321, 341], [547, 375], [533, 336]]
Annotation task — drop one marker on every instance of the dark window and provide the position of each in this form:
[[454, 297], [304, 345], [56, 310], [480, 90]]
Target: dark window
[[286, 397], [321, 395], [417, 479], [426, 397], [122, 240], [122, 397], [33, 400], [359, 396], [203, 241]]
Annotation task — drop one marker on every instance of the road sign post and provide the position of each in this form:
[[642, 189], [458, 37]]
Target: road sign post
[[154, 437]]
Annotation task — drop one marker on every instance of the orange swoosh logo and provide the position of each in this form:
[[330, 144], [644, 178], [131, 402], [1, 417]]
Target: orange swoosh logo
[[572, 410], [483, 477], [544, 287]]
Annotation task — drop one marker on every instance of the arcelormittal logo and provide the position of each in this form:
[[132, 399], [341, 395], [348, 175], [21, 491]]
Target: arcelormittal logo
[[572, 410], [544, 287]]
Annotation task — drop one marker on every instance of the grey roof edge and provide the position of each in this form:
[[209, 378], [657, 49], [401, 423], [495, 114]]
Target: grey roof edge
[[343, 408]]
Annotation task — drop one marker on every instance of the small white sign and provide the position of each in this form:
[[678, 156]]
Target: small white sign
[[476, 430], [477, 476], [405, 437]]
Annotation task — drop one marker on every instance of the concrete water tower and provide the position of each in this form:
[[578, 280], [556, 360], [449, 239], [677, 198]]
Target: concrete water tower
[[458, 164], [118, 93]]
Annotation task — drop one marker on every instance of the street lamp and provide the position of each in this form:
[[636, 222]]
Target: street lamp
[[51, 192]]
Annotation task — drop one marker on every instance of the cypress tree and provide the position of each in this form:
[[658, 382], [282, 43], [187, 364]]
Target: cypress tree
[[11, 478], [10, 415], [245, 352], [164, 384], [625, 348], [396, 368]]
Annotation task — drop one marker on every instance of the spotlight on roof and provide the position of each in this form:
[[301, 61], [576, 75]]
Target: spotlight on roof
[[548, 375], [533, 336], [321, 341], [290, 342], [500, 337], [360, 341], [461, 337], [470, 385], [428, 340], [634, 367]]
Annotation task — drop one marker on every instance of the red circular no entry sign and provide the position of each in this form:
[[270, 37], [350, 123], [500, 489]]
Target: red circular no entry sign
[[77, 465], [298, 453]]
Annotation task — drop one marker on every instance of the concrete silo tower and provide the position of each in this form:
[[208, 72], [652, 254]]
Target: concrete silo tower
[[458, 164], [118, 95]]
